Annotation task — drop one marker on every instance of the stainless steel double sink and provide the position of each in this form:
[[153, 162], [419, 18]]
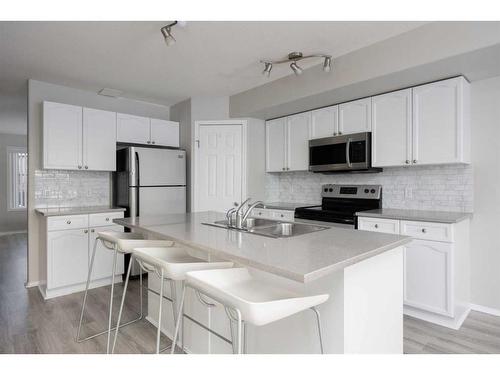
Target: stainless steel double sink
[[271, 228]]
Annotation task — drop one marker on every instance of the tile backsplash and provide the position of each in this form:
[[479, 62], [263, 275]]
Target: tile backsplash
[[58, 188], [437, 188]]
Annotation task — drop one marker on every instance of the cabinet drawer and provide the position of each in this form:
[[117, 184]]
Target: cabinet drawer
[[67, 222], [378, 225], [103, 219], [427, 231]]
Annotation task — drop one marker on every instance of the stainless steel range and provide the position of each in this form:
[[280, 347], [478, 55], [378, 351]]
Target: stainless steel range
[[340, 203]]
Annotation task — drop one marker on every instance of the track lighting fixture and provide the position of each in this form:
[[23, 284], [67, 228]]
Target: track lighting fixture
[[167, 32], [292, 58]]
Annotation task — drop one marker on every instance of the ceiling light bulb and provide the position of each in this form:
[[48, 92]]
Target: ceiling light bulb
[[327, 64], [267, 69], [169, 39], [296, 69]]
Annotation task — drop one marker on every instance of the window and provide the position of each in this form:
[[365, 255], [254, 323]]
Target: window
[[18, 177]]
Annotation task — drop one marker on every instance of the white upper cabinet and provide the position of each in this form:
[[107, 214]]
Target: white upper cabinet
[[62, 136], [164, 133], [99, 140], [391, 129], [132, 129], [355, 116], [298, 142], [441, 130], [276, 145], [324, 122]]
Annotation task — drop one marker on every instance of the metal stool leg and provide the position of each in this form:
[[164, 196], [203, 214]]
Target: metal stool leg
[[318, 321], [110, 319], [245, 341], [86, 292], [158, 334], [178, 322], [121, 304]]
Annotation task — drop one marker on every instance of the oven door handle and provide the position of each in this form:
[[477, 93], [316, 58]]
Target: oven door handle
[[347, 152]]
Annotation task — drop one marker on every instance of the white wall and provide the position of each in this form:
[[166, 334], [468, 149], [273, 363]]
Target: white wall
[[486, 222], [37, 93]]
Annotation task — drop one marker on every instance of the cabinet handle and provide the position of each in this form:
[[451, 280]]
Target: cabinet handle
[[260, 213], [340, 133], [86, 167], [68, 222], [92, 230], [153, 142], [334, 133], [376, 225], [149, 142], [282, 215], [79, 167], [107, 219], [424, 230], [414, 161], [86, 231], [407, 162], [283, 169]]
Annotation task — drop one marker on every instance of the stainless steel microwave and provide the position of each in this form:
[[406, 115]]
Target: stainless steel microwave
[[343, 153]]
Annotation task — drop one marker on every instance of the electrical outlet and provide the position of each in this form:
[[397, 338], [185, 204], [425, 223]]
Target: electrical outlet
[[408, 192]]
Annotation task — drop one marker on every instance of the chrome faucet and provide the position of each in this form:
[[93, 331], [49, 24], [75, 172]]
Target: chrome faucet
[[240, 216], [249, 210]]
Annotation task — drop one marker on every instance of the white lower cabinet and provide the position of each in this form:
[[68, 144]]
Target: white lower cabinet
[[427, 277], [67, 243], [436, 268]]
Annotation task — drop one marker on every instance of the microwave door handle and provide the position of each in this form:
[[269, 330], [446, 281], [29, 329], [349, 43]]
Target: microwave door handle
[[347, 152]]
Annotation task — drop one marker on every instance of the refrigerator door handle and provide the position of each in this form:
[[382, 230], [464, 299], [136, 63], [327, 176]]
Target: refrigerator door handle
[[138, 182]]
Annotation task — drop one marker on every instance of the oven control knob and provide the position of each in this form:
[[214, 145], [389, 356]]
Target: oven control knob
[[367, 191], [330, 190], [372, 191], [325, 190]]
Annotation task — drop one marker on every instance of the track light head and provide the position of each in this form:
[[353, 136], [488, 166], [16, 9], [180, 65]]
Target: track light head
[[296, 69], [327, 64], [267, 69], [167, 34]]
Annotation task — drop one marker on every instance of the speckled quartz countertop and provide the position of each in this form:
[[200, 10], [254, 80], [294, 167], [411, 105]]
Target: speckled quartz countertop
[[301, 258], [417, 215], [60, 211]]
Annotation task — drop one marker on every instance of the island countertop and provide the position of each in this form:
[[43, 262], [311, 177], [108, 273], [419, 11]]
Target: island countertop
[[301, 258]]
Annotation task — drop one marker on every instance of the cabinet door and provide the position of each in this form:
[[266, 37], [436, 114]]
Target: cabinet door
[[355, 117], [276, 145], [67, 257], [427, 276], [324, 122], [62, 136], [298, 142], [391, 129], [99, 140], [164, 133], [438, 122], [132, 129], [103, 262]]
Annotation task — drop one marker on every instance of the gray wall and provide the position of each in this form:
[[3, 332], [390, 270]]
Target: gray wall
[[37, 93], [10, 221]]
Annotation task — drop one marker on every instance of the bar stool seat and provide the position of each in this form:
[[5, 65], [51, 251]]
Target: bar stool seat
[[248, 299], [127, 242], [259, 302], [169, 263]]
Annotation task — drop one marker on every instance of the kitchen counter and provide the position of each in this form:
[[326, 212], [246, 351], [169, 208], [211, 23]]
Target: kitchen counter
[[287, 206], [301, 258], [417, 215], [61, 211]]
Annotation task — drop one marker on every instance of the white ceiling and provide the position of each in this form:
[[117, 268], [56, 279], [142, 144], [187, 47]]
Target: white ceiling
[[209, 58]]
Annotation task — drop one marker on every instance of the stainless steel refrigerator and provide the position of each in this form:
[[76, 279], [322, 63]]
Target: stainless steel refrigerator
[[150, 181]]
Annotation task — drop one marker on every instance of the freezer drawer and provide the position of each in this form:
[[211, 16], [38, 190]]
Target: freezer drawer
[[162, 200]]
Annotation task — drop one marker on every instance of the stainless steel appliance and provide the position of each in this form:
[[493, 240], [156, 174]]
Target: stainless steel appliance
[[343, 153], [150, 181], [340, 203]]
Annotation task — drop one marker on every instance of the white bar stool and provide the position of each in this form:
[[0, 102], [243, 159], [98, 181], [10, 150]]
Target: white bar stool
[[170, 264], [249, 300], [118, 242]]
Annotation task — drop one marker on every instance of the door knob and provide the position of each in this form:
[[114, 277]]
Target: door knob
[[407, 162]]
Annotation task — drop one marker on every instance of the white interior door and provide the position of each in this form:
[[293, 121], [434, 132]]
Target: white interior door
[[218, 167]]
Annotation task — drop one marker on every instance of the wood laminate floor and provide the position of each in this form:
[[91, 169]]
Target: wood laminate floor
[[28, 324]]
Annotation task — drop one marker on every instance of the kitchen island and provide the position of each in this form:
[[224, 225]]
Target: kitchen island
[[362, 272]]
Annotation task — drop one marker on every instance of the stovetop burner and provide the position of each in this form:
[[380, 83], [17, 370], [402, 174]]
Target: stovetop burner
[[341, 202]]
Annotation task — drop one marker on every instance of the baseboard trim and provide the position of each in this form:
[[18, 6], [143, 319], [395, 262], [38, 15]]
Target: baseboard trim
[[13, 232], [485, 309], [31, 284]]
